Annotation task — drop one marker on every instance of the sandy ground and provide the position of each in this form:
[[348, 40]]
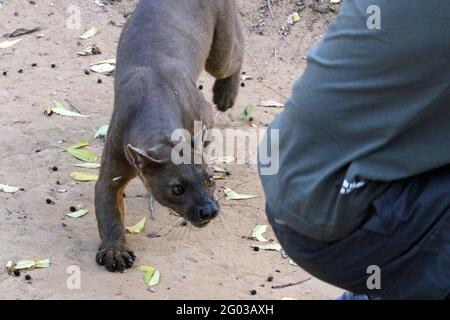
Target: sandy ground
[[212, 263]]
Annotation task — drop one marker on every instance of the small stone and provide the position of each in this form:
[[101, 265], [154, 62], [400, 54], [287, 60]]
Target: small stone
[[253, 292], [17, 273], [53, 66], [269, 279], [28, 277]]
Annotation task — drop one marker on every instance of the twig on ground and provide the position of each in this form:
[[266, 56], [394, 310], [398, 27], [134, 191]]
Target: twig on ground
[[273, 89], [275, 53], [269, 5], [261, 74], [291, 284]]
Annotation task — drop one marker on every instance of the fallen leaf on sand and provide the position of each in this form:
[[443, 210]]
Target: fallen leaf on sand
[[231, 195], [79, 144], [257, 232], [32, 264], [77, 214], [102, 131], [224, 160], [9, 44], [89, 33], [151, 275], [292, 262], [92, 50], [270, 247], [218, 169], [83, 176], [8, 189], [108, 61], [247, 113], [21, 31], [82, 154], [138, 227], [59, 109], [103, 68], [271, 103], [67, 113], [9, 264], [244, 77], [88, 165]]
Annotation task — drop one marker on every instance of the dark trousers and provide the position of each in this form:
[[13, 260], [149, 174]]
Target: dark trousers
[[407, 237]]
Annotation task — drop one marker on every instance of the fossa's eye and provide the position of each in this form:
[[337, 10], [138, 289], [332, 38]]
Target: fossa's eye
[[177, 190]]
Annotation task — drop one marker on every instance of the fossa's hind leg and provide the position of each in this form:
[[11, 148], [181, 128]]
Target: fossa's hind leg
[[225, 58]]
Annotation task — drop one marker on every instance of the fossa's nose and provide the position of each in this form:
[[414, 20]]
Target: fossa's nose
[[208, 211]]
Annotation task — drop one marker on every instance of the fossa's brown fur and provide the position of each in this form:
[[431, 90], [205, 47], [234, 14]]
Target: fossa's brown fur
[[162, 51]]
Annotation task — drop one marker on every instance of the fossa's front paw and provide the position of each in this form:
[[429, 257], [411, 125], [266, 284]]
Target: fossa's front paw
[[225, 93], [115, 257]]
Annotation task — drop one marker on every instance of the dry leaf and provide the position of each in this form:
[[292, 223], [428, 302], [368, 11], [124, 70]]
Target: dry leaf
[[231, 195], [218, 169], [102, 131], [271, 104], [67, 113], [108, 61], [103, 68], [247, 113], [257, 232], [9, 44], [82, 154], [151, 275], [21, 31], [77, 214], [92, 50], [8, 189], [270, 247], [89, 33], [32, 264], [79, 144], [224, 160], [83, 176], [87, 165], [138, 227]]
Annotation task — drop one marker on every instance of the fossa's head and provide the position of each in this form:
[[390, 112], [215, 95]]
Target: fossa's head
[[187, 189]]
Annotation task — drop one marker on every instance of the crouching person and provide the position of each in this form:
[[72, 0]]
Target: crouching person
[[361, 199]]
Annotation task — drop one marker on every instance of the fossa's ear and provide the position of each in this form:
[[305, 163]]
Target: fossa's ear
[[141, 159]]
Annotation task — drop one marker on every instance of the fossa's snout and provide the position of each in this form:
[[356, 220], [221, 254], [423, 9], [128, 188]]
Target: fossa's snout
[[204, 214]]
